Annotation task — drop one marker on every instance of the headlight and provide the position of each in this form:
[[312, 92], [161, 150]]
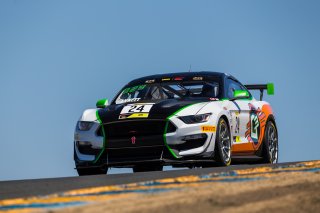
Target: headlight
[[192, 119], [84, 125]]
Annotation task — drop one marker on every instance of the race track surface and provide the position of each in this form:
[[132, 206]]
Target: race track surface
[[143, 192], [26, 188], [36, 187]]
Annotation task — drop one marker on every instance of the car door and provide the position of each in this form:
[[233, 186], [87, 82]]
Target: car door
[[241, 112]]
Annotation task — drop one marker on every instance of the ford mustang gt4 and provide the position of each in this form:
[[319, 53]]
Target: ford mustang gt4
[[177, 119]]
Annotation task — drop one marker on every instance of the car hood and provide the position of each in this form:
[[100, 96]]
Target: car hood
[[159, 110]]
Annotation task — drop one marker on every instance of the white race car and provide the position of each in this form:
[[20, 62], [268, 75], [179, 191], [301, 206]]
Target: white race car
[[179, 119]]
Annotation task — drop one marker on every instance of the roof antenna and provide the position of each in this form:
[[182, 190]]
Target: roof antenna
[[190, 68]]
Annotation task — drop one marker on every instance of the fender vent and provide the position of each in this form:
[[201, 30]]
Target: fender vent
[[87, 149], [191, 143], [171, 127], [99, 131]]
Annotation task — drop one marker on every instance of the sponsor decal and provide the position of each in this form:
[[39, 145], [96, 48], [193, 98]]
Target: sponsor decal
[[135, 111], [178, 78], [166, 79], [141, 87], [138, 115], [133, 89], [208, 128], [126, 90], [121, 101], [214, 99], [197, 78], [257, 120], [237, 128], [150, 81], [255, 127]]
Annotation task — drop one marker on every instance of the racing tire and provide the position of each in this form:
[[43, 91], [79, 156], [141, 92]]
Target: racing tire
[[222, 154], [270, 144], [149, 168], [91, 171]]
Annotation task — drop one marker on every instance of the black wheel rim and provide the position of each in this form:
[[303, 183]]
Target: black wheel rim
[[272, 144], [224, 137]]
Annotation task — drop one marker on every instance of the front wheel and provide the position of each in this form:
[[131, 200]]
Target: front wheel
[[92, 171], [270, 144], [223, 144]]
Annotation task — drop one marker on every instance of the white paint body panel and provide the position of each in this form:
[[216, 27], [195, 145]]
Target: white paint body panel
[[88, 115]]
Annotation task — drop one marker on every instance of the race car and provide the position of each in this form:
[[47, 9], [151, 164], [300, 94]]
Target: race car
[[189, 119]]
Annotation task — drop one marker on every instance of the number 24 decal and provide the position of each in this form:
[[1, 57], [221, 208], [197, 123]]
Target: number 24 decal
[[136, 108]]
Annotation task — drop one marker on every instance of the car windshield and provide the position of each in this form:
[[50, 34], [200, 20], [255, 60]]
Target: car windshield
[[172, 90]]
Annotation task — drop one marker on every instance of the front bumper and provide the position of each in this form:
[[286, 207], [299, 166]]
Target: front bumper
[[184, 148], [166, 147], [164, 162]]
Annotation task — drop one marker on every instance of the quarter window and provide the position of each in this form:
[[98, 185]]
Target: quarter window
[[232, 86]]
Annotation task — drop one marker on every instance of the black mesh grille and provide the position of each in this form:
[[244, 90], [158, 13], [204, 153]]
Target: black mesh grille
[[125, 129], [135, 154], [135, 133]]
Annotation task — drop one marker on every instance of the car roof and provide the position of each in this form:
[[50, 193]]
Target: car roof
[[200, 75]]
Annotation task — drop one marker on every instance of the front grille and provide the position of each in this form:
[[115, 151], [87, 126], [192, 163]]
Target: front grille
[[134, 154], [134, 133], [136, 128]]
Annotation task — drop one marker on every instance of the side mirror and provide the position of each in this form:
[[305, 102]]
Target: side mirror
[[240, 94], [102, 103]]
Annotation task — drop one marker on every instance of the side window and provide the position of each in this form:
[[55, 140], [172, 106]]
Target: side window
[[232, 86], [155, 93]]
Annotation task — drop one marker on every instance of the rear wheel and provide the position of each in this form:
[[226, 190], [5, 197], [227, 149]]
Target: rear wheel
[[147, 168], [91, 171], [270, 144], [223, 144]]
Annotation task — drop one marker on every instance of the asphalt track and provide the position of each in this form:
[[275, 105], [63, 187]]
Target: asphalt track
[[40, 187]]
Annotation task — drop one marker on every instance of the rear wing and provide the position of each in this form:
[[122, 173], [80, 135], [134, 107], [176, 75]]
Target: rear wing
[[269, 87]]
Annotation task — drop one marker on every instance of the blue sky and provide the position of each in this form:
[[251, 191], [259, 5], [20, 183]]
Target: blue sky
[[58, 57]]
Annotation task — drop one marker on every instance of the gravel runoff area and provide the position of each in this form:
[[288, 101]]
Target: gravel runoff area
[[283, 192]]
